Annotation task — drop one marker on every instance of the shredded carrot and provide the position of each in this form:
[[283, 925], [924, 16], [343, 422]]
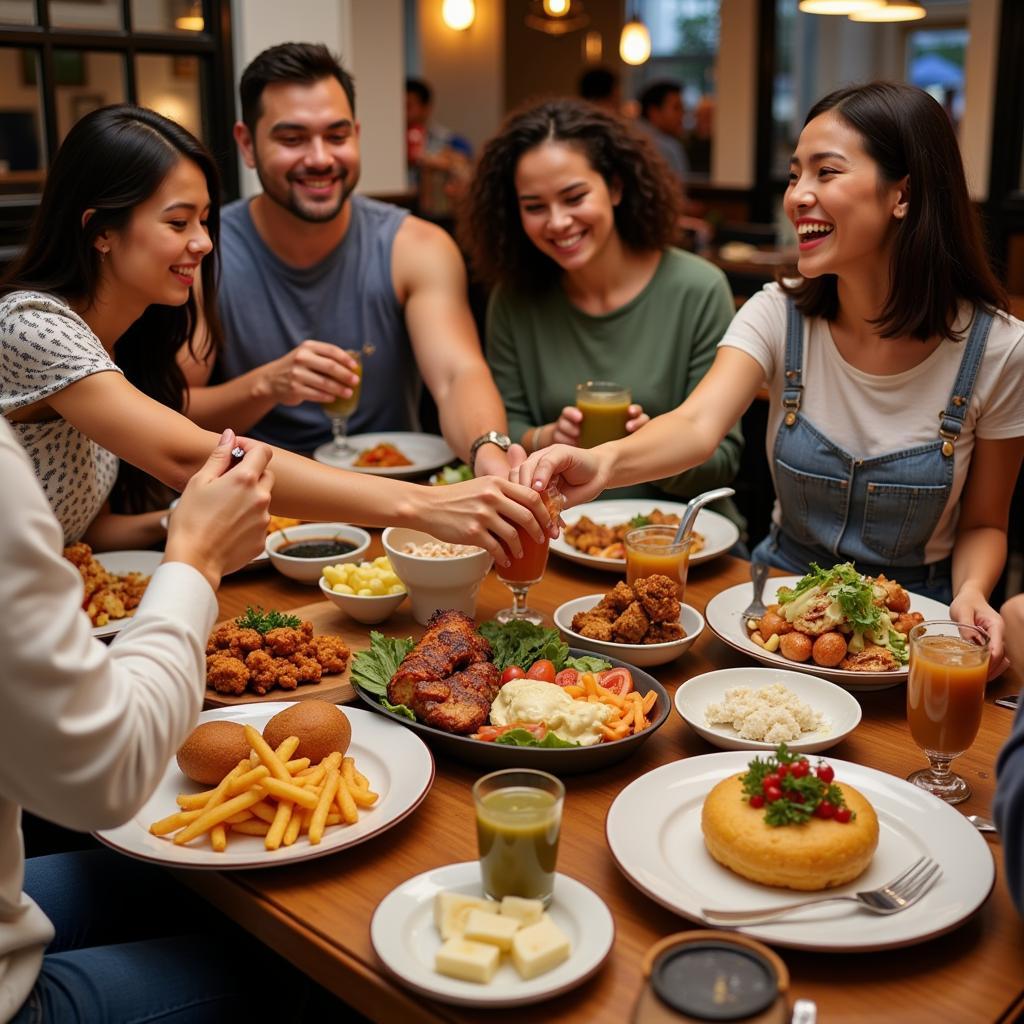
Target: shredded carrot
[[639, 722], [575, 691], [649, 701]]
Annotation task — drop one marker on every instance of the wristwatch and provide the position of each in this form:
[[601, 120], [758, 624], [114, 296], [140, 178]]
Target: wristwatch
[[503, 441]]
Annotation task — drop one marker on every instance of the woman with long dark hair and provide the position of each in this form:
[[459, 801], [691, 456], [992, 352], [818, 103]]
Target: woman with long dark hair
[[93, 315], [573, 216], [896, 429]]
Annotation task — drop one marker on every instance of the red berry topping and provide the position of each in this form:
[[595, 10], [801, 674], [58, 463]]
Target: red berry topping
[[826, 773], [771, 779], [757, 801], [799, 768], [784, 770], [772, 793], [824, 810], [843, 815]]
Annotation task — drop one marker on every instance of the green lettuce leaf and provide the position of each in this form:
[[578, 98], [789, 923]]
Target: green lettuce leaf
[[522, 643], [524, 738], [398, 709], [373, 668], [587, 663]]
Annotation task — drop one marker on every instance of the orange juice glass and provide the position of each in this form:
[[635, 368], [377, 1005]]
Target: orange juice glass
[[605, 408], [653, 551], [527, 570], [945, 697]]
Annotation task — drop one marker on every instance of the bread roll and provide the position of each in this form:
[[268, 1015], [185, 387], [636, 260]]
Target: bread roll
[[321, 727], [212, 750], [819, 854]]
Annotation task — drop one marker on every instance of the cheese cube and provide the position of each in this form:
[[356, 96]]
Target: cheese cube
[[538, 948], [491, 928], [527, 911], [467, 961], [451, 910]]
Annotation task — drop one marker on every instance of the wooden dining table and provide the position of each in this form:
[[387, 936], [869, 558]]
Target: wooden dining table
[[317, 913]]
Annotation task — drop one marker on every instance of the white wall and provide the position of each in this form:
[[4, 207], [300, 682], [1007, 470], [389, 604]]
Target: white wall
[[980, 93], [734, 134], [367, 34]]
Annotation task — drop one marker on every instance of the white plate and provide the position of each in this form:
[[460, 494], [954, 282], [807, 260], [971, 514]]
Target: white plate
[[719, 533], [257, 560], [641, 655], [395, 760], [121, 562], [653, 831], [426, 451], [404, 937], [841, 711], [726, 622]]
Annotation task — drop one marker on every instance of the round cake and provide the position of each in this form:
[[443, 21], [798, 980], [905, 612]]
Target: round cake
[[818, 854]]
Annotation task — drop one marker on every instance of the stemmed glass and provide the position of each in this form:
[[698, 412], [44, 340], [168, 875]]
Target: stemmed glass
[[340, 409], [945, 697], [524, 572]]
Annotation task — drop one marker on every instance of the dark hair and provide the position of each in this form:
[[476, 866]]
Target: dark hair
[[656, 93], [938, 255], [598, 84], [492, 231], [112, 160], [420, 89], [289, 62]]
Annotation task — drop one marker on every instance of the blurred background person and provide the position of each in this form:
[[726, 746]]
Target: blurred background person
[[601, 86], [661, 116]]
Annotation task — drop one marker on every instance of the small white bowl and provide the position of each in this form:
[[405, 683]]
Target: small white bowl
[[839, 707], [641, 655], [435, 583], [308, 570], [368, 610]]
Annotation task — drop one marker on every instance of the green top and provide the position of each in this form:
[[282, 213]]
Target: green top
[[659, 344]]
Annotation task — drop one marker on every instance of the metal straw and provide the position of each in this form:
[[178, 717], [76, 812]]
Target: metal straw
[[694, 505]]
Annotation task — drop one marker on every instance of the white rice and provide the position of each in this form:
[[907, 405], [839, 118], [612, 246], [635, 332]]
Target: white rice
[[772, 714]]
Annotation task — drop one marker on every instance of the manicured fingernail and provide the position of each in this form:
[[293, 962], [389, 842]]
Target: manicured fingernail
[[225, 437]]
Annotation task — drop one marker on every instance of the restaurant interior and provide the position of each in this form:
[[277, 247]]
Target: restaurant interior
[[730, 714]]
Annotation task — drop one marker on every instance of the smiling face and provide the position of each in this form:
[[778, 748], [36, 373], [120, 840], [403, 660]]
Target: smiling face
[[844, 212], [155, 258], [567, 209], [306, 147]]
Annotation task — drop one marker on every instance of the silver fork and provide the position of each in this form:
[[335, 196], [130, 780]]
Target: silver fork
[[903, 891], [758, 575]]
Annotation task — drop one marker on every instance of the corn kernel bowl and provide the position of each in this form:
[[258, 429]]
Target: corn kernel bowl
[[367, 591], [368, 610]]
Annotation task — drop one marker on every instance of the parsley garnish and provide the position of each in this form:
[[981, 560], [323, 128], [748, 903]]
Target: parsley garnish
[[640, 521], [264, 622]]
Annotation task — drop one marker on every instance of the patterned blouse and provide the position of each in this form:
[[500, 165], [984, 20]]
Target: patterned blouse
[[44, 347]]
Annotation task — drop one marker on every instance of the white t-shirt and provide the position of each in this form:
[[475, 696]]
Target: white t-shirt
[[44, 347], [869, 415]]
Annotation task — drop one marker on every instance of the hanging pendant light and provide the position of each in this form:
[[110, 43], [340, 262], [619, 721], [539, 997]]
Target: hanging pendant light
[[556, 8], [458, 14], [556, 17], [837, 6], [894, 10], [635, 41]]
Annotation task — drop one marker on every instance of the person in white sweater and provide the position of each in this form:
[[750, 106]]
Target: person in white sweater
[[85, 736]]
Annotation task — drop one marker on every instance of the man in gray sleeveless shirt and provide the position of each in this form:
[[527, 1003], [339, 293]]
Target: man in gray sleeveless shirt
[[308, 270]]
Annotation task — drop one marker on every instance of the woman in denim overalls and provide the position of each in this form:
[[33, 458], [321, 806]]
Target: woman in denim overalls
[[892, 268]]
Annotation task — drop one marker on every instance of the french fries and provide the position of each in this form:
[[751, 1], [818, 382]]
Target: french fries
[[270, 795]]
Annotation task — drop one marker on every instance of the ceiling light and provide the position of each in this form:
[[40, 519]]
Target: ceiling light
[[458, 14], [556, 8], [556, 17], [895, 10], [635, 42], [837, 6]]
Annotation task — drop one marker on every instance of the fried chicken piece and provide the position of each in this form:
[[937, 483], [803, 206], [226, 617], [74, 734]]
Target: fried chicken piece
[[133, 586], [332, 652], [659, 596], [664, 632], [906, 622], [631, 626], [261, 670], [284, 641], [103, 605], [594, 625], [871, 659], [618, 599], [461, 703], [226, 674], [308, 669], [896, 598], [240, 642]]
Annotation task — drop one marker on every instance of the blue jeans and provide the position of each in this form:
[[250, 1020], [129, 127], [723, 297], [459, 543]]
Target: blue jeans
[[131, 945]]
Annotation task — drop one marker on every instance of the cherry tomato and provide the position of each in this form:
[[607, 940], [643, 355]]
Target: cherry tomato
[[842, 815], [799, 768], [772, 793], [783, 770], [826, 773], [512, 672], [567, 677], [771, 780], [797, 798], [542, 670], [618, 680], [757, 801], [825, 810]]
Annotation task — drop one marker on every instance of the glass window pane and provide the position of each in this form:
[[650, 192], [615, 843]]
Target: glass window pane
[[22, 135], [98, 14], [176, 16], [86, 81], [17, 12], [170, 86]]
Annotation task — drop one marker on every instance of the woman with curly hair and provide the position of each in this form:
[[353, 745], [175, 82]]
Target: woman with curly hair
[[572, 217]]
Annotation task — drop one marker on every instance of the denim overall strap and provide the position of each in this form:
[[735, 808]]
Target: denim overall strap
[[951, 419], [793, 379]]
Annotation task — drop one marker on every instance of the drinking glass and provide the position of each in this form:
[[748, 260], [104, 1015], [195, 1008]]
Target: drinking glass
[[524, 572], [945, 697], [605, 408], [340, 409], [653, 550], [518, 820]]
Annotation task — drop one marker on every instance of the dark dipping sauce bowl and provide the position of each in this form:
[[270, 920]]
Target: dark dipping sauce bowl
[[316, 548], [702, 976]]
